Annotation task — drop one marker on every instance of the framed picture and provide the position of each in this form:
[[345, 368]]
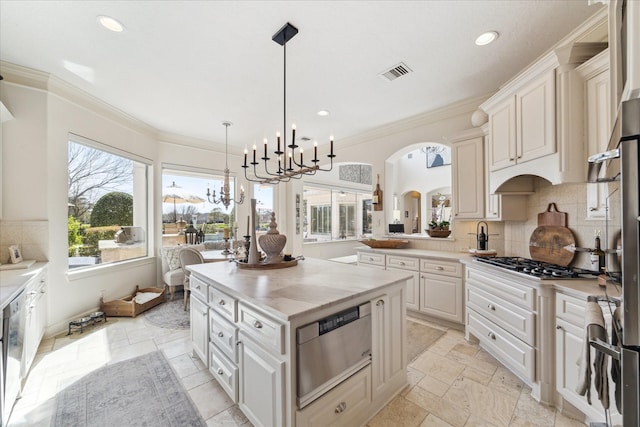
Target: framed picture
[[438, 155], [15, 254]]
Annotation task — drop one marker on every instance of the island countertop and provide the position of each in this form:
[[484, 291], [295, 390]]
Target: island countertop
[[290, 292]]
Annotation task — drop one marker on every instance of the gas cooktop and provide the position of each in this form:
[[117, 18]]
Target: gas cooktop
[[538, 269]]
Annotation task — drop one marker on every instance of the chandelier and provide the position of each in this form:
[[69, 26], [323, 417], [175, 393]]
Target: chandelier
[[225, 190], [293, 165]]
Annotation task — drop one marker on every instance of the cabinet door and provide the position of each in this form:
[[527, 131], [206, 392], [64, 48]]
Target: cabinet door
[[502, 128], [388, 353], [412, 289], [199, 329], [569, 345], [261, 396], [468, 178], [598, 131], [441, 296], [536, 119]]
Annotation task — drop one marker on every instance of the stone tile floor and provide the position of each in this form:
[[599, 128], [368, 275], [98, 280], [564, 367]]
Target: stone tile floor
[[453, 383]]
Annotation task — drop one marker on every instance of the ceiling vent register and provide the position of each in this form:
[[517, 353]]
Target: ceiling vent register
[[396, 71]]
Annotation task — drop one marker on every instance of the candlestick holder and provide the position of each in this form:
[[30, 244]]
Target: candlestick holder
[[226, 250], [247, 244]]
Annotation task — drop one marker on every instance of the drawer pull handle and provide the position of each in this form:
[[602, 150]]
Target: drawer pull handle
[[221, 302], [340, 408], [220, 334], [558, 327], [220, 372], [401, 262], [440, 268], [491, 335], [380, 303], [491, 307], [370, 259], [197, 286], [257, 324], [238, 343], [204, 314]]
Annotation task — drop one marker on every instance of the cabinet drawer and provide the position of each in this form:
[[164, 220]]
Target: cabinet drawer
[[223, 335], [404, 263], [266, 331], [445, 268], [371, 258], [570, 309], [198, 288], [225, 372], [507, 289], [223, 304], [516, 354], [345, 405], [519, 321]]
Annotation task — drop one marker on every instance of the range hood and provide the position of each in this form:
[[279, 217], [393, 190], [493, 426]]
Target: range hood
[[604, 167]]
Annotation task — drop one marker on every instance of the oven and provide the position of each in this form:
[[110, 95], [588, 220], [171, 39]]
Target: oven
[[332, 349]]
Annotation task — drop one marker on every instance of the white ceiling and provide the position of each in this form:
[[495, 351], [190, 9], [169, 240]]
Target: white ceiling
[[183, 67]]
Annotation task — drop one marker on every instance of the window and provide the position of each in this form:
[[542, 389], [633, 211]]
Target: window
[[335, 214], [264, 195], [107, 204], [185, 203]]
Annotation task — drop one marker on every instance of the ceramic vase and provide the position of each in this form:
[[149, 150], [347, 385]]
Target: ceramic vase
[[273, 242], [254, 255]]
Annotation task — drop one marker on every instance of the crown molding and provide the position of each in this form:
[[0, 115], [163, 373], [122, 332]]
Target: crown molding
[[24, 76], [466, 106]]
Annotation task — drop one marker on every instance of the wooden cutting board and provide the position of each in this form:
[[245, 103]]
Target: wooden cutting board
[[550, 243], [552, 217]]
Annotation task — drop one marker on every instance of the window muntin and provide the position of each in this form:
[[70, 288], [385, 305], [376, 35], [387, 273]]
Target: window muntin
[[335, 214], [107, 204]]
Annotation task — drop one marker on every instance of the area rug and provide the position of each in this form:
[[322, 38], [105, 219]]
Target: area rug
[[170, 314], [419, 338], [143, 391]]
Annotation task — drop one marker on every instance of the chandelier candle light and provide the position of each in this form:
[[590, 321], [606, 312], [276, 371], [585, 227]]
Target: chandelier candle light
[[287, 168], [225, 191]]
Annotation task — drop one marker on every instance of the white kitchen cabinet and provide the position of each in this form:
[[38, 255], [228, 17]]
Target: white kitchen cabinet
[[441, 296], [199, 328], [261, 388], [343, 406], [597, 90], [570, 332], [522, 127], [36, 318], [410, 266], [371, 259], [388, 353], [467, 162]]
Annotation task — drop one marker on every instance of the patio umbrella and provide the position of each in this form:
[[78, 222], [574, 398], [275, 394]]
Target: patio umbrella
[[176, 196]]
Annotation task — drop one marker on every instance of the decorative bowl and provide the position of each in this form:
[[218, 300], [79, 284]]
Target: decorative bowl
[[438, 233], [385, 244]]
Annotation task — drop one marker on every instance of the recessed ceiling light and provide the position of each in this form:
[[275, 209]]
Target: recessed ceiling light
[[110, 23], [486, 38], [323, 113]]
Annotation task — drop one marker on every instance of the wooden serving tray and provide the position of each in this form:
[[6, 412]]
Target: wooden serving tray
[[264, 266]]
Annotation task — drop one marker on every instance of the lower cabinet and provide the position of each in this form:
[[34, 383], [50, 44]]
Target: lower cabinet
[[36, 319], [413, 288], [343, 406], [261, 390], [388, 351], [199, 328], [441, 296], [570, 333]]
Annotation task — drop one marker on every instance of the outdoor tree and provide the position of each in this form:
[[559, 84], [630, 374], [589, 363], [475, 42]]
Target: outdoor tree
[[114, 208], [91, 173]]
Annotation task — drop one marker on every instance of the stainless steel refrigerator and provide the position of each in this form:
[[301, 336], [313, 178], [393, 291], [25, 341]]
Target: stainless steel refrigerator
[[630, 340]]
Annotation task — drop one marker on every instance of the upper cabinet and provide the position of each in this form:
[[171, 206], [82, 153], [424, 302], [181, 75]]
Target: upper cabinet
[[536, 120], [467, 161], [597, 126], [522, 127]]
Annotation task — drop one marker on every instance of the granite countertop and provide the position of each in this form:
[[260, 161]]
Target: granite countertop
[[423, 253], [291, 292], [12, 282]]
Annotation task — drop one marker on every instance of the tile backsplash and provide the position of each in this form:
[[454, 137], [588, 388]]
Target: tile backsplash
[[572, 199], [32, 237]]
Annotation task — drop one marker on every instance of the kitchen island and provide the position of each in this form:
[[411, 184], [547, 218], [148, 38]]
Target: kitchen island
[[245, 325]]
